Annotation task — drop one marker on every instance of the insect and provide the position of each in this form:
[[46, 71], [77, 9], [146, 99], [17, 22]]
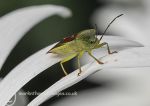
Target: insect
[[77, 44]]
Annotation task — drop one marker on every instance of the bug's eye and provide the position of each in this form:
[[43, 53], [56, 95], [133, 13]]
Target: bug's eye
[[91, 41]]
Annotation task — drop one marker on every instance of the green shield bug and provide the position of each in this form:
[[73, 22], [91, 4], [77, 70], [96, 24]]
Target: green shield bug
[[77, 44]]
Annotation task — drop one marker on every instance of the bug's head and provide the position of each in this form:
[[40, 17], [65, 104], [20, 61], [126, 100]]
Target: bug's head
[[92, 40], [91, 36], [88, 35]]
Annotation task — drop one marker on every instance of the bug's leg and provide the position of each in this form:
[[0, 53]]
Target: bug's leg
[[109, 52], [64, 60], [65, 72], [89, 52], [79, 56]]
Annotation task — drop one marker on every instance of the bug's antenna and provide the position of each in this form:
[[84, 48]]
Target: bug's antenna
[[109, 26], [96, 29]]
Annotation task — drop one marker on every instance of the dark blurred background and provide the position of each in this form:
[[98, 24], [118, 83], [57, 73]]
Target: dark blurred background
[[45, 33]]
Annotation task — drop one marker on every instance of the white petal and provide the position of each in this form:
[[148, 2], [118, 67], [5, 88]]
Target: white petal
[[17, 99], [119, 41], [14, 25], [114, 87], [116, 43], [137, 57], [37, 63], [132, 25], [24, 72]]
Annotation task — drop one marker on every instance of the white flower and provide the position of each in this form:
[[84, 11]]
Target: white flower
[[120, 86], [38, 62], [11, 31]]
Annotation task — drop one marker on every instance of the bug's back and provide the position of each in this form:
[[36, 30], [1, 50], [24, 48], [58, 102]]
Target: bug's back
[[78, 43]]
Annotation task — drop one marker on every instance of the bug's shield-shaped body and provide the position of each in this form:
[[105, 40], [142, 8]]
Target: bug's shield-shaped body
[[83, 41], [76, 45]]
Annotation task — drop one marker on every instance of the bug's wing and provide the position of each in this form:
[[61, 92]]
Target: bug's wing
[[62, 42]]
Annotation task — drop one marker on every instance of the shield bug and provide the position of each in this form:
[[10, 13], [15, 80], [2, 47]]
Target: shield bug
[[77, 44]]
